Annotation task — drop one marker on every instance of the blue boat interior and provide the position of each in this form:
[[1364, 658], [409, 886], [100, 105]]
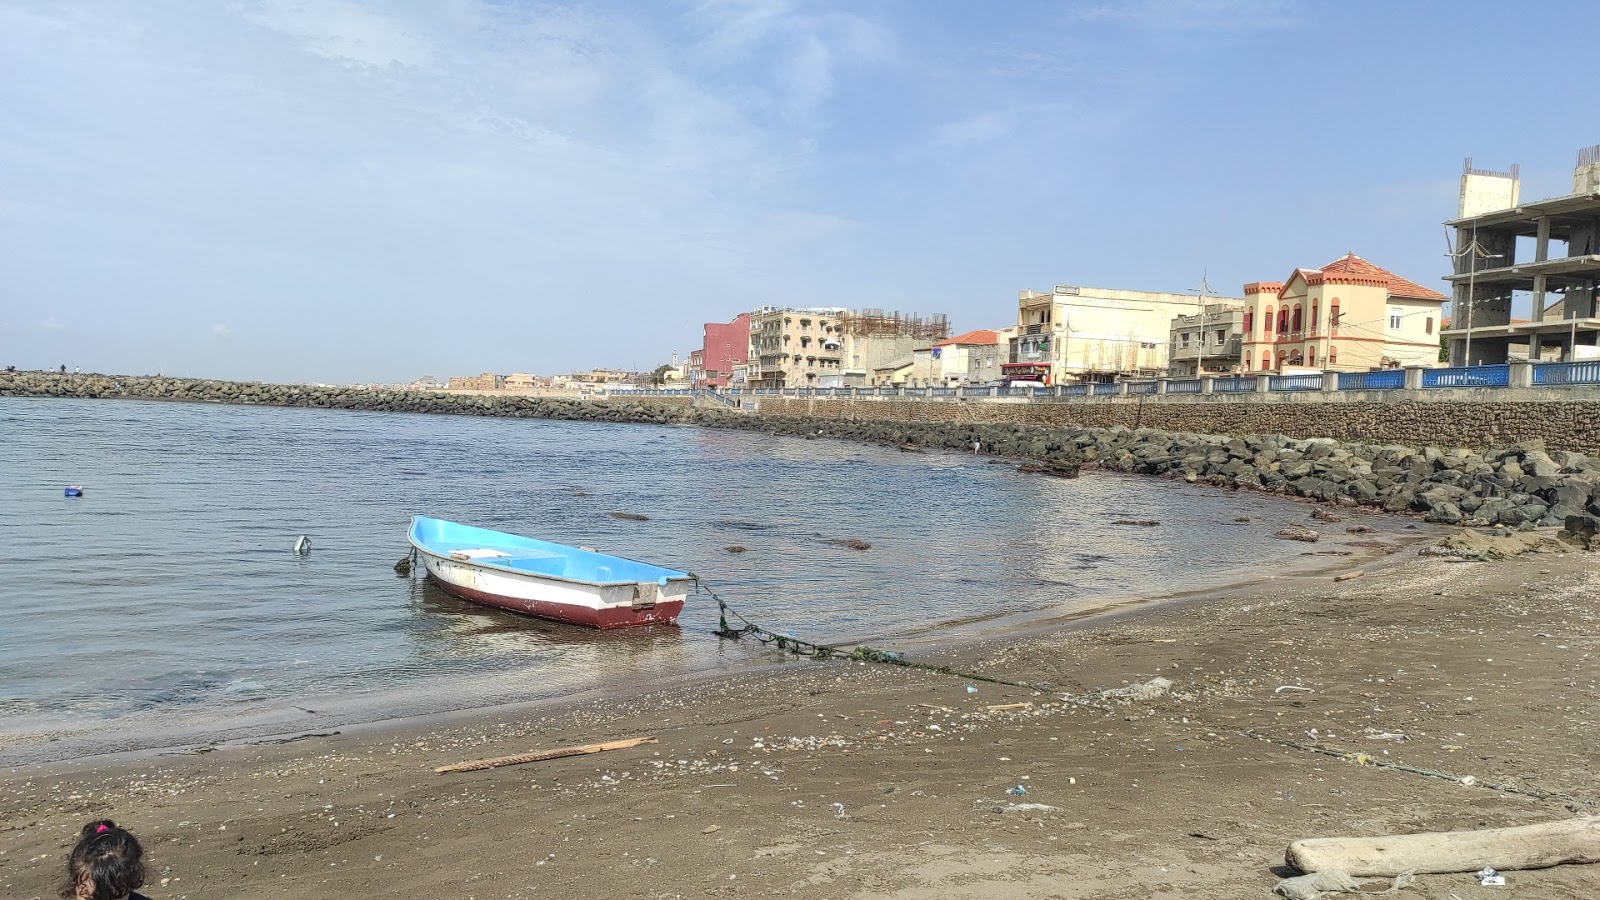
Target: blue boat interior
[[536, 557]]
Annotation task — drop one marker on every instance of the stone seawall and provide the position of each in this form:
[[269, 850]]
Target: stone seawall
[[1521, 486], [1558, 425]]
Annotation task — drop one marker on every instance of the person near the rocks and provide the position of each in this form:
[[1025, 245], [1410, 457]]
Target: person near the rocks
[[107, 863]]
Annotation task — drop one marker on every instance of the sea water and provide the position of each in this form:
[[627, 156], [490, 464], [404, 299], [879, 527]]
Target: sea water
[[166, 605]]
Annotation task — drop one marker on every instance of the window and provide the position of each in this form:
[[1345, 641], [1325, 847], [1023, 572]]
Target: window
[[1183, 338], [1295, 326], [1311, 357], [1266, 361], [1333, 356], [1430, 324], [1333, 315], [1249, 322], [1283, 320], [1222, 335], [1266, 326], [1395, 315], [1316, 310]]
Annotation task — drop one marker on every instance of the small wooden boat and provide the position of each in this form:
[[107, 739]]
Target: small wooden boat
[[545, 579]]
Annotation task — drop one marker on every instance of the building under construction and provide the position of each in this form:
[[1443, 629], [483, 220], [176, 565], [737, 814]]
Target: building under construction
[[832, 346], [1506, 305]]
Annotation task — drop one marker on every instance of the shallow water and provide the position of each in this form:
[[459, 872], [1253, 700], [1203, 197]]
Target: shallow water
[[166, 605]]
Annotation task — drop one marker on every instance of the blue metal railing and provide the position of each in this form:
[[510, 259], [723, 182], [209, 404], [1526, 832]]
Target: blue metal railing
[[1295, 383], [1587, 372], [1073, 390], [1184, 386], [1239, 384], [1467, 376], [1102, 389], [1141, 387], [1386, 380]]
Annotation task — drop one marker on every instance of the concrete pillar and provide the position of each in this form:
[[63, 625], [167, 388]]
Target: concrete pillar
[[1161, 385], [1122, 389], [1330, 381], [1521, 374], [1414, 377], [1264, 383], [1535, 348], [1208, 384]]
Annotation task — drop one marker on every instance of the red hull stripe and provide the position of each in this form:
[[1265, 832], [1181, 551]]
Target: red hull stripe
[[615, 617]]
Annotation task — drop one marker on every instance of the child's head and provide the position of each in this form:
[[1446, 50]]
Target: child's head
[[106, 864]]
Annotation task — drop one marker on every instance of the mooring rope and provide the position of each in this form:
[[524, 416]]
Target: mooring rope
[[1095, 699], [859, 652]]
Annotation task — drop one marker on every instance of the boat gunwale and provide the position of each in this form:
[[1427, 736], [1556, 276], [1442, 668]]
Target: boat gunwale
[[411, 538]]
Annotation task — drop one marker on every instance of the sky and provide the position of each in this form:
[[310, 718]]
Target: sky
[[358, 191]]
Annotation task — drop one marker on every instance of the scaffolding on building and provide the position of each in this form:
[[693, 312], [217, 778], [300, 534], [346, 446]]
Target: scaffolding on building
[[863, 322]]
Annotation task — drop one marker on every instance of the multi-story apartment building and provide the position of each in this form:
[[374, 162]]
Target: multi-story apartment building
[[1208, 343], [1093, 334], [1348, 315], [831, 346], [793, 347]]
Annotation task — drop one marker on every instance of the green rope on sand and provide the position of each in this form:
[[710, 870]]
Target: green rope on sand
[[859, 652]]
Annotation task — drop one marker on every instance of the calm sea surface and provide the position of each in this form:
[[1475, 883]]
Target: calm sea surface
[[165, 605]]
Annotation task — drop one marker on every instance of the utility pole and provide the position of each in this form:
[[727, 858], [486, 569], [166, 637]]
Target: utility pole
[[1200, 346]]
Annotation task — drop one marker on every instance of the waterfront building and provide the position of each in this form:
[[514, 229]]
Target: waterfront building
[[523, 382], [1494, 276], [723, 346], [1078, 333], [793, 347], [1208, 343], [697, 368], [951, 359], [983, 363], [427, 383], [832, 346], [1349, 316], [488, 381]]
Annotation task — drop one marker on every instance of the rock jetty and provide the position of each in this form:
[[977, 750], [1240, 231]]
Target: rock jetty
[[1517, 487]]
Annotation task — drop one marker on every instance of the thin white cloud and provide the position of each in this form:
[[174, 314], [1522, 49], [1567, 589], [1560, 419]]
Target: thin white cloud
[[1186, 15], [221, 331], [52, 324], [345, 31], [980, 128]]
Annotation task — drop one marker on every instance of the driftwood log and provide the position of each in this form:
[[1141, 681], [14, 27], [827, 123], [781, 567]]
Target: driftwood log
[[1525, 847], [541, 755]]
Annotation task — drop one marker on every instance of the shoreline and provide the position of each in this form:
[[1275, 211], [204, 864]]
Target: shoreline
[[1157, 797], [233, 728]]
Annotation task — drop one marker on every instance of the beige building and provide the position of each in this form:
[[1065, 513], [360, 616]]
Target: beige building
[[1093, 334], [523, 382], [1348, 315], [488, 381], [794, 347]]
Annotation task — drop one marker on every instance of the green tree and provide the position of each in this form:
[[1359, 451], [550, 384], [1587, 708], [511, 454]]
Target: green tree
[[659, 376]]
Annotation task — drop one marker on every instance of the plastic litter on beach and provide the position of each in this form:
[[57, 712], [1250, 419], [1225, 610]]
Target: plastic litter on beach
[[1017, 791], [1490, 878], [972, 689]]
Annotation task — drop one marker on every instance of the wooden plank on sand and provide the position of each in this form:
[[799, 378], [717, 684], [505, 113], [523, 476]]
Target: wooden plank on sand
[[541, 755]]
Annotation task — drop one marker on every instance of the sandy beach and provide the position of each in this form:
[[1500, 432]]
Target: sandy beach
[[853, 780]]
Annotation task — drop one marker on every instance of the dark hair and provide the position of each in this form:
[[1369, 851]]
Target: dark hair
[[106, 858]]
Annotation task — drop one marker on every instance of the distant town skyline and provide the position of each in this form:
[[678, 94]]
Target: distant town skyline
[[342, 191]]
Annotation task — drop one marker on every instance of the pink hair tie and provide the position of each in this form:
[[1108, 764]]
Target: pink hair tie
[[101, 829]]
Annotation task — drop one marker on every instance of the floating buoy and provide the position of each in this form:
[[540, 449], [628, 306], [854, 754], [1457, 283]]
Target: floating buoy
[[302, 545], [73, 490]]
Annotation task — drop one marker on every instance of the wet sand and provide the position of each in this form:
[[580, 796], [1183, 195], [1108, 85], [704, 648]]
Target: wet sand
[[852, 780]]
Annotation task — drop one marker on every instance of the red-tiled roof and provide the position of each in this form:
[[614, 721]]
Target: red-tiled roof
[[1352, 268], [981, 336]]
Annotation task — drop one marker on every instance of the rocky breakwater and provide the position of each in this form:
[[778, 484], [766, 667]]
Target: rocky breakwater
[[1520, 487], [193, 390]]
